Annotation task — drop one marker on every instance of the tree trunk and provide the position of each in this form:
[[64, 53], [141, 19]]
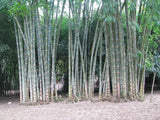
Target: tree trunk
[[154, 77]]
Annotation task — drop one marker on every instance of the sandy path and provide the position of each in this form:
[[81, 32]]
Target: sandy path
[[82, 110]]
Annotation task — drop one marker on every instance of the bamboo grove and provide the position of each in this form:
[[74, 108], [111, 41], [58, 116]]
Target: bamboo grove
[[107, 39]]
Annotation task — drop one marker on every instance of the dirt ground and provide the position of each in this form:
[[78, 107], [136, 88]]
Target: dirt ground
[[85, 110]]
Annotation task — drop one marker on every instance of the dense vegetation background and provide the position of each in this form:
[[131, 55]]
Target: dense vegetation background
[[42, 42]]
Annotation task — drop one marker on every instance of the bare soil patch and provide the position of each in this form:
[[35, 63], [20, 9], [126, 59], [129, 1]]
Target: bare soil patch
[[85, 110]]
